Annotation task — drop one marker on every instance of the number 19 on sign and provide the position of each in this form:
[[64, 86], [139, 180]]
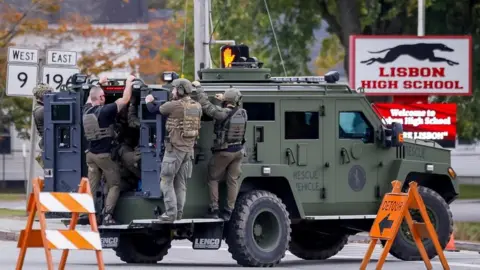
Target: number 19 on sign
[[56, 76]]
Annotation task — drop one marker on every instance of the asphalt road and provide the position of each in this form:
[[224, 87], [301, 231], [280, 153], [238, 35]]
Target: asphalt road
[[181, 256]]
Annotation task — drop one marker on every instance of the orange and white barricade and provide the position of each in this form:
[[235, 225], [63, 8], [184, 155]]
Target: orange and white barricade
[[71, 239]]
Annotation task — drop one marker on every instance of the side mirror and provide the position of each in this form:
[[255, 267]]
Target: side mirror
[[392, 135], [397, 134]]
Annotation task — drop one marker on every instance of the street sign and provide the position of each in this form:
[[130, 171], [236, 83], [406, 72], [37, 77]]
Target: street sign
[[393, 210], [22, 55], [57, 76], [21, 79], [390, 213], [59, 57]]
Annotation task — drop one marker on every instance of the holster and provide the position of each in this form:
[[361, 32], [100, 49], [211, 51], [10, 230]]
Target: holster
[[114, 152]]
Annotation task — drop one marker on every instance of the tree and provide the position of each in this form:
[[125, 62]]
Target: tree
[[157, 49], [248, 22]]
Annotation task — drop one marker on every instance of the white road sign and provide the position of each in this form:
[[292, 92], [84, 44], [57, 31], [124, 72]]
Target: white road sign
[[21, 79], [22, 55], [64, 58], [406, 65], [56, 76]]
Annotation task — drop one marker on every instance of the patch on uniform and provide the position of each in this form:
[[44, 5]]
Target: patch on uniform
[[48, 172], [357, 178]]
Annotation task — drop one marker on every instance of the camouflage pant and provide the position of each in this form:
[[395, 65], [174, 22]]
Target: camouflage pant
[[226, 164], [103, 163], [130, 158], [176, 169]]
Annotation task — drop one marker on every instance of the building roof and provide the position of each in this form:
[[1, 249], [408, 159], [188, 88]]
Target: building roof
[[99, 11]]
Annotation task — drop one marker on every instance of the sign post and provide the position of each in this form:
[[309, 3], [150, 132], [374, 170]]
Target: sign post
[[22, 77], [394, 208]]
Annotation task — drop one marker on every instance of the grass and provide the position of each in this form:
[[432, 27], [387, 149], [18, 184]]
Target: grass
[[7, 213], [467, 231], [12, 196], [469, 191]]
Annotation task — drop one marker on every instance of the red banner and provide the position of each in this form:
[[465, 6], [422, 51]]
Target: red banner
[[422, 121]]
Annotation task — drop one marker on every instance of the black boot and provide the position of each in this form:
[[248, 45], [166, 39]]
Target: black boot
[[108, 220], [212, 213], [226, 213]]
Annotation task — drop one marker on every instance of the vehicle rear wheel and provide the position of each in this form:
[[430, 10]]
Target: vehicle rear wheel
[[404, 247], [310, 245], [142, 248], [259, 230]]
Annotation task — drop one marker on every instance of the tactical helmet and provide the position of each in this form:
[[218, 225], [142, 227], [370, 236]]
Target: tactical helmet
[[40, 90], [232, 95], [184, 86]]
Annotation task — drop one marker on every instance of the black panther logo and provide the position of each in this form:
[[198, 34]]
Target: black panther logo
[[419, 51]]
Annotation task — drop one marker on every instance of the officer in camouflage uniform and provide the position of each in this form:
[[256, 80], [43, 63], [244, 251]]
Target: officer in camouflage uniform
[[128, 152], [229, 128], [38, 92], [183, 125]]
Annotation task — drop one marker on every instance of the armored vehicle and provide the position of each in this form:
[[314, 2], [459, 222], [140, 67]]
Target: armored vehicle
[[319, 161]]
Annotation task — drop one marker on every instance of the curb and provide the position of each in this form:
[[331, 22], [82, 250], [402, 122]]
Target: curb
[[9, 236], [460, 245]]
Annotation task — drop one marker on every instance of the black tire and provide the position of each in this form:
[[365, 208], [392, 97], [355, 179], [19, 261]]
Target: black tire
[[405, 249], [309, 245], [240, 234], [142, 248]]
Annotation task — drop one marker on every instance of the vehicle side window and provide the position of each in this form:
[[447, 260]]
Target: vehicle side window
[[301, 125], [260, 111], [354, 125]]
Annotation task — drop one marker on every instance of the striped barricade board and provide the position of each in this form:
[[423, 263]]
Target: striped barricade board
[[66, 240]]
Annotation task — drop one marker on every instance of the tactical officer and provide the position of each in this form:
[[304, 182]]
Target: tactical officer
[[127, 153], [229, 128], [98, 121], [38, 92], [183, 125]]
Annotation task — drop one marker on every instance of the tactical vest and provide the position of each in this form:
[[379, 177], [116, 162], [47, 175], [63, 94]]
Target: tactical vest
[[92, 129], [190, 123], [231, 131]]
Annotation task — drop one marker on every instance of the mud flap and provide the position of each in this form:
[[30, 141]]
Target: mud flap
[[110, 239], [207, 235]]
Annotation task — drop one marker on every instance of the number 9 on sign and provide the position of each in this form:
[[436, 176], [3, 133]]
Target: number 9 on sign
[[56, 76]]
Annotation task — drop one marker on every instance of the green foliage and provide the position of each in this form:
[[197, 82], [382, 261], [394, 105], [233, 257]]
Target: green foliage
[[247, 22]]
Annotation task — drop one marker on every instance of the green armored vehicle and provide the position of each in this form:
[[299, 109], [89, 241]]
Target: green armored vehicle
[[319, 161]]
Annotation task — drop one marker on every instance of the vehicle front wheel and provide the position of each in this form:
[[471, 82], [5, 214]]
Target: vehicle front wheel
[[259, 230], [404, 247]]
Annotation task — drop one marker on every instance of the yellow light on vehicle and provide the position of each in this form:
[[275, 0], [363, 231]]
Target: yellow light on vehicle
[[452, 173], [227, 57]]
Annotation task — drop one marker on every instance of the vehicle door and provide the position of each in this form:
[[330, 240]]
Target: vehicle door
[[152, 130], [356, 153], [302, 149], [62, 141]]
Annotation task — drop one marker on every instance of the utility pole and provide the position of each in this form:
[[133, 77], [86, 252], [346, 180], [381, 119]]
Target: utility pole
[[201, 29], [421, 18]]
